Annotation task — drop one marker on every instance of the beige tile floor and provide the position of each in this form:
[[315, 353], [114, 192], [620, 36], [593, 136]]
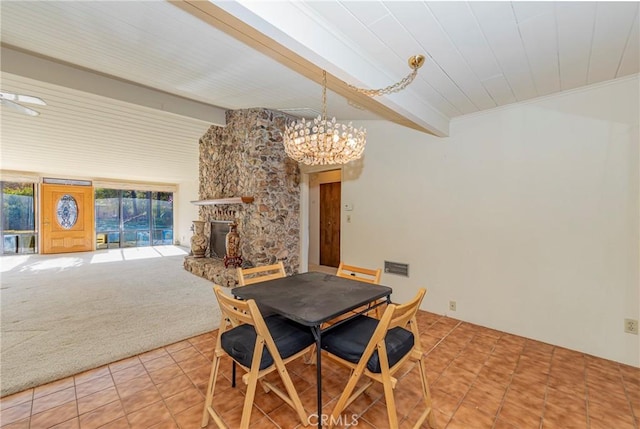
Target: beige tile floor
[[480, 378]]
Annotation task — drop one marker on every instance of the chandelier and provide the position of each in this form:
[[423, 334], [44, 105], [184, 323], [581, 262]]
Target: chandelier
[[323, 141]]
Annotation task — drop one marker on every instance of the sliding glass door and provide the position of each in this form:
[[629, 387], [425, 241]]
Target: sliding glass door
[[162, 217], [126, 218], [135, 218]]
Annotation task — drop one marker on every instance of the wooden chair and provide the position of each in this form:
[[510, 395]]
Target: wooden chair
[[259, 346], [248, 276], [376, 349], [366, 275]]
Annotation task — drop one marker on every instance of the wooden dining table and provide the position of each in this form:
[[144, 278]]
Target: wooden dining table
[[313, 299]]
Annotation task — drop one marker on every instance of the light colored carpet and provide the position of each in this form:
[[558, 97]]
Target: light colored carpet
[[64, 314]]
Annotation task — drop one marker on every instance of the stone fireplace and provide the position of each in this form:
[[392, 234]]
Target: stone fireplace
[[247, 159]]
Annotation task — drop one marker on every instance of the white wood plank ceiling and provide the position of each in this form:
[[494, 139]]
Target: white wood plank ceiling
[[480, 55]]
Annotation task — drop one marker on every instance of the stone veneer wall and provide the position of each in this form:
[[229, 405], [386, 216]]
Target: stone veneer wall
[[247, 158]]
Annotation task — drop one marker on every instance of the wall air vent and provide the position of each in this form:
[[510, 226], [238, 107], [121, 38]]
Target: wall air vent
[[396, 268]]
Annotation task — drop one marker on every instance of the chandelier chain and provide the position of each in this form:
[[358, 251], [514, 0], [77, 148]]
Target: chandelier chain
[[415, 62], [398, 86], [324, 94]]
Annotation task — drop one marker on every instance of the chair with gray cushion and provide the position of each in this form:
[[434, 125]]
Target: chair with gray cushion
[[376, 349], [259, 346]]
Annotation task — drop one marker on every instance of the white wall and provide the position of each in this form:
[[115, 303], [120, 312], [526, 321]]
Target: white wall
[[185, 212], [526, 216]]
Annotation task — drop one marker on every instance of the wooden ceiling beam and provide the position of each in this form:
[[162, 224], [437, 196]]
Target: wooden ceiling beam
[[236, 28]]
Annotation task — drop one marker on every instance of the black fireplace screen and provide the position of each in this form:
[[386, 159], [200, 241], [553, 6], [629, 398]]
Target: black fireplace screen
[[219, 230]]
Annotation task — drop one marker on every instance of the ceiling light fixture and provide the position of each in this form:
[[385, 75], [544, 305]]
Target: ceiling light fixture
[[322, 141]]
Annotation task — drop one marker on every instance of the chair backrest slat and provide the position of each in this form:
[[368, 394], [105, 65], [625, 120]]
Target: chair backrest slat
[[366, 275], [403, 313], [398, 315], [238, 312], [248, 276]]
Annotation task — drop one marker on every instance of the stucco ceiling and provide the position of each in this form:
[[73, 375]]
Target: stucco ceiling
[[130, 86]]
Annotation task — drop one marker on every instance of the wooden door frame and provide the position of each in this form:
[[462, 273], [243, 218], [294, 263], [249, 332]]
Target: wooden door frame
[[305, 210]]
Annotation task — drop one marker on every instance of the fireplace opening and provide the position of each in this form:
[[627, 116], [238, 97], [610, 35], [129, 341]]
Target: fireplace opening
[[219, 230]]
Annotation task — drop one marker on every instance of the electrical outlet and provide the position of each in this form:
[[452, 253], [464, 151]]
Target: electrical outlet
[[631, 326], [452, 305]]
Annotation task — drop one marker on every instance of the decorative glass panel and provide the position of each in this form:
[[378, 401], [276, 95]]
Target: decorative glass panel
[[67, 211]]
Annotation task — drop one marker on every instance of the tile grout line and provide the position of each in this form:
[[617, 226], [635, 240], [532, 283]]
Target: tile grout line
[[506, 389], [162, 398], [118, 394], [628, 396], [183, 373], [436, 380], [33, 398], [460, 322], [546, 389], [586, 392], [146, 371]]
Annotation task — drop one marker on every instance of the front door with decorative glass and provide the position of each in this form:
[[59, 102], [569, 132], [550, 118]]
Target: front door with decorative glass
[[67, 218]]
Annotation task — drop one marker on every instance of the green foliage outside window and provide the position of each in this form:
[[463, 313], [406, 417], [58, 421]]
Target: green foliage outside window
[[18, 207], [17, 233], [134, 215]]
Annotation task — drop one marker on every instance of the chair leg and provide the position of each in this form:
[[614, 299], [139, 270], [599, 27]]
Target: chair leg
[[233, 374], [213, 376], [388, 387], [426, 393], [390, 401], [346, 394], [293, 395], [252, 384], [310, 357], [379, 311]]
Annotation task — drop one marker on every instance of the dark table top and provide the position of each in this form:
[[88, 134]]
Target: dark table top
[[312, 298]]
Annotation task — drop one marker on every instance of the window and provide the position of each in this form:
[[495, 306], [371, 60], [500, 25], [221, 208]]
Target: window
[[128, 218], [18, 218]]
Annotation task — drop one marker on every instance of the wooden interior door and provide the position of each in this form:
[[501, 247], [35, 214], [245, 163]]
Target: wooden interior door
[[330, 224], [67, 218]]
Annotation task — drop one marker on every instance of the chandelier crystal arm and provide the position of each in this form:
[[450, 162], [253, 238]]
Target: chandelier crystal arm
[[415, 62]]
